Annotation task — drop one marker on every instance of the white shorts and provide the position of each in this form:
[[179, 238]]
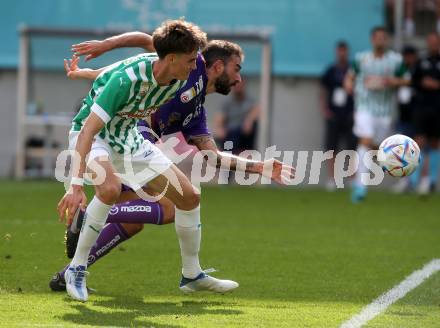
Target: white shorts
[[134, 170], [369, 126]]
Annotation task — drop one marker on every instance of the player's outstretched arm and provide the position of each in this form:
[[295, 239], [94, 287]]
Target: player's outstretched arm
[[75, 196], [74, 72], [271, 168], [95, 48]]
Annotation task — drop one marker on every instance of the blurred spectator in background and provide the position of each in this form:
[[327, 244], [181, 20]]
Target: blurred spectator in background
[[406, 105], [426, 81], [375, 77], [406, 94], [237, 121], [410, 9], [337, 108]]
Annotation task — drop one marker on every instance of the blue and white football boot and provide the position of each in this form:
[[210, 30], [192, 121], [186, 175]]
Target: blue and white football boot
[[204, 282], [75, 278]]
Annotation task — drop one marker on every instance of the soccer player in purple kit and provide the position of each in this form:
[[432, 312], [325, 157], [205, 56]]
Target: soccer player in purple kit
[[218, 69]]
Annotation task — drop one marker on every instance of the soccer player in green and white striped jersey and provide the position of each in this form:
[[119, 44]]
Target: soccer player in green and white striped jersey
[[105, 130], [374, 78], [121, 95]]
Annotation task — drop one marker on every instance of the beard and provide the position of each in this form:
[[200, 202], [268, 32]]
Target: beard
[[222, 84], [380, 48]]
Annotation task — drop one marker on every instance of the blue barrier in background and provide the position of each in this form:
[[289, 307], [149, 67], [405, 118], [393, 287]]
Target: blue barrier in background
[[303, 32]]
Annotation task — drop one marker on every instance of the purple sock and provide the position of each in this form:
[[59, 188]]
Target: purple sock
[[111, 236], [136, 211]]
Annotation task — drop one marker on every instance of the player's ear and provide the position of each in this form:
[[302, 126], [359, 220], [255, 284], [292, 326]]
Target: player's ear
[[219, 66], [170, 58]]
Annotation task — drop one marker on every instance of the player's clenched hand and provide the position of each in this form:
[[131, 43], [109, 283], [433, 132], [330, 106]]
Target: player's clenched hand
[[281, 173], [73, 199], [91, 49]]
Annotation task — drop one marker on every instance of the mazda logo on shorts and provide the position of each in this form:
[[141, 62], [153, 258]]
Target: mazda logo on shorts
[[114, 210], [91, 258]]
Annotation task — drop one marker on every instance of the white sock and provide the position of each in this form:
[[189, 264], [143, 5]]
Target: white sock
[[361, 150], [95, 217], [189, 232]]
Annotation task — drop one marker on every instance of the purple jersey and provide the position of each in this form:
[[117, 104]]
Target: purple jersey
[[185, 112]]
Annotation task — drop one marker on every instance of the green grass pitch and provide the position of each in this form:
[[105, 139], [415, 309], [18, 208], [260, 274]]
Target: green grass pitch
[[303, 258]]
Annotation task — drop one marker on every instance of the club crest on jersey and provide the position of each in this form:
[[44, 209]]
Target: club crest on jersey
[[187, 95], [143, 91], [194, 91]]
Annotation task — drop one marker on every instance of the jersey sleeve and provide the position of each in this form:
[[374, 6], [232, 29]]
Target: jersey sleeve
[[198, 127], [112, 97]]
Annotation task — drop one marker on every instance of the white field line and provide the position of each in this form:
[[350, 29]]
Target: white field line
[[381, 303]]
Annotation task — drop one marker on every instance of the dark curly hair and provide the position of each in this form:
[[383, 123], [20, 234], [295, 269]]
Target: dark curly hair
[[221, 49], [178, 36]]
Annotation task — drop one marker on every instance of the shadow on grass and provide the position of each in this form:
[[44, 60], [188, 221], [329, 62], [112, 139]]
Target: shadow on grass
[[136, 312]]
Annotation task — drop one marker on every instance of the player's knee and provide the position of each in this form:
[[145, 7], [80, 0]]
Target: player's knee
[[190, 201], [168, 214], [132, 228], [109, 192]]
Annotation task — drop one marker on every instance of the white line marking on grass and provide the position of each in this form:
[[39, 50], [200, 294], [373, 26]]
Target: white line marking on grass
[[381, 303]]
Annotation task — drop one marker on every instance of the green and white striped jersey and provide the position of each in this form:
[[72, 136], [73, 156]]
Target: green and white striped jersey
[[121, 95], [370, 69]]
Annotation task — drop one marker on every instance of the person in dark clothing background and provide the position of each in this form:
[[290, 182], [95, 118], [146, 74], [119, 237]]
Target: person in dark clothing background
[[426, 81], [406, 95], [337, 108], [406, 101]]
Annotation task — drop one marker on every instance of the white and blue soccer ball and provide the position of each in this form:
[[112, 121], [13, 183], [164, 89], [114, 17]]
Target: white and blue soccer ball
[[398, 155]]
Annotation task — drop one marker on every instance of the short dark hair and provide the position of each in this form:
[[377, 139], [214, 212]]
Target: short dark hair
[[376, 29], [342, 44], [178, 36], [409, 50], [221, 49]]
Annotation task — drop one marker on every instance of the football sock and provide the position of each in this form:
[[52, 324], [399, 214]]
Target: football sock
[[95, 217], [188, 229], [361, 150], [415, 177], [136, 211], [111, 236], [434, 161]]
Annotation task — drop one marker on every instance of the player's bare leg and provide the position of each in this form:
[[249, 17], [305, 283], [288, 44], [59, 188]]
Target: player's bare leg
[[188, 228], [96, 214]]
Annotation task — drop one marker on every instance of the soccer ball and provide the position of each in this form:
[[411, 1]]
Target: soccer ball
[[398, 155]]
